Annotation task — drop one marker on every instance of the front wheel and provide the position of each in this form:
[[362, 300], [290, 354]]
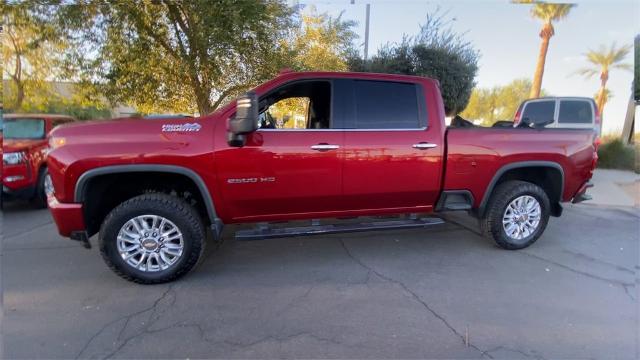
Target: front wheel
[[152, 238], [516, 215], [44, 188]]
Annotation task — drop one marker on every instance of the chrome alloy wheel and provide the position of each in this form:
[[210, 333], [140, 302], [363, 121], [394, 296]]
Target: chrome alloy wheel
[[48, 185], [150, 243], [522, 217]]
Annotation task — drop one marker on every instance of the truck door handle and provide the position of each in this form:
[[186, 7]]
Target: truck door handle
[[424, 146], [325, 147]]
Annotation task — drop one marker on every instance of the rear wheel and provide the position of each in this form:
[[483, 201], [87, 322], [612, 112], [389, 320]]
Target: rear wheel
[[516, 215], [152, 238]]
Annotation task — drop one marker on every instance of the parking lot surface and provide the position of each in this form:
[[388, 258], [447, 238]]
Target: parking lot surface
[[443, 292]]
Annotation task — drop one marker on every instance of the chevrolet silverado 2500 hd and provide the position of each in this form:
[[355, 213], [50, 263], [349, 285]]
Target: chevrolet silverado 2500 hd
[[305, 146]]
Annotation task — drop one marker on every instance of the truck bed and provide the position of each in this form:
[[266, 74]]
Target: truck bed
[[475, 155]]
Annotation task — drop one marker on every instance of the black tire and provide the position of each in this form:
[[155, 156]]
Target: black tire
[[39, 199], [503, 195], [175, 209]]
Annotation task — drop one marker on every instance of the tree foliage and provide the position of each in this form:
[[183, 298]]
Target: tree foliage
[[437, 52], [321, 42], [193, 56], [498, 103], [601, 62], [30, 49], [177, 56], [548, 13]]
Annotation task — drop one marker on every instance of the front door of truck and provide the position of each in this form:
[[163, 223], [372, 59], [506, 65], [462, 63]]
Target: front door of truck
[[393, 150], [290, 167]]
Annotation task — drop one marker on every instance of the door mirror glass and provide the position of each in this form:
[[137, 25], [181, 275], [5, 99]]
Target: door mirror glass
[[245, 121]]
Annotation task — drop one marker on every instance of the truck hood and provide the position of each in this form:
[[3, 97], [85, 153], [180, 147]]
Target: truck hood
[[127, 131], [13, 145]]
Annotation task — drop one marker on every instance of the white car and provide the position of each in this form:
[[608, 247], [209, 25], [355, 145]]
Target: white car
[[559, 112]]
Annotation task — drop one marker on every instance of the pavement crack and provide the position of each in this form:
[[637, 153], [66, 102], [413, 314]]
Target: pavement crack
[[32, 229], [281, 339], [126, 318], [417, 298], [583, 273], [523, 353], [598, 261]]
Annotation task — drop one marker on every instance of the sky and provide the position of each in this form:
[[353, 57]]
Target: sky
[[508, 40]]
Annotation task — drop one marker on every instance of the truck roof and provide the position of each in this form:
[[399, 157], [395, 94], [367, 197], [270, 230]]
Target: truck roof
[[35, 115], [347, 74]]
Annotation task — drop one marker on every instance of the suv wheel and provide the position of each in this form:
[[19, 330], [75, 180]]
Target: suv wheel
[[152, 238], [44, 187], [516, 215]]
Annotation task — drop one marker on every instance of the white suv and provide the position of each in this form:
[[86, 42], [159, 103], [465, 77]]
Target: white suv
[[559, 112]]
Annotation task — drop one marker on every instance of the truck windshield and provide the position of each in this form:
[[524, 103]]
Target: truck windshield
[[23, 129]]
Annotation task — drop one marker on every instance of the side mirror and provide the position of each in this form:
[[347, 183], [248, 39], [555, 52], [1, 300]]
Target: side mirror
[[245, 121]]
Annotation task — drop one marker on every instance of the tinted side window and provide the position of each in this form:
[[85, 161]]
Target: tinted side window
[[575, 112], [540, 111], [386, 105]]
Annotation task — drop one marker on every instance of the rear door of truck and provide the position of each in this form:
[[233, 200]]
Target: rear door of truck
[[393, 145]]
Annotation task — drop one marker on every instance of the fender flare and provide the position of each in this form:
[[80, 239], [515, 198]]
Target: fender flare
[[519, 165], [84, 179]]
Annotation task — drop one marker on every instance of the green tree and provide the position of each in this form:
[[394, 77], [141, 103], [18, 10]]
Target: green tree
[[498, 103], [548, 13], [322, 42], [601, 62], [30, 49], [176, 56], [437, 52]]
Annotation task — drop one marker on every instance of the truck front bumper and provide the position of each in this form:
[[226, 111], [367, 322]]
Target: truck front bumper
[[26, 193], [69, 218]]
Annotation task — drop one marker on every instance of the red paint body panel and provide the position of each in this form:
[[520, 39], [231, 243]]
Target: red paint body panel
[[68, 217], [492, 148], [276, 176]]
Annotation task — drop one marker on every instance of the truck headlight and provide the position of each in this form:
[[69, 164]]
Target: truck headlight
[[56, 142], [12, 158]]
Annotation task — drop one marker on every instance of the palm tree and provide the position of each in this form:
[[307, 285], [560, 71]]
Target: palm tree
[[603, 60], [548, 13], [602, 95]]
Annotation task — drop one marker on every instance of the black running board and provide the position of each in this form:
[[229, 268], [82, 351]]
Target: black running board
[[265, 232]]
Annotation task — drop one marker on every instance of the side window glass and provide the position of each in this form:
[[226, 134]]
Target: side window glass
[[290, 113], [300, 105], [386, 105], [539, 111], [575, 112]]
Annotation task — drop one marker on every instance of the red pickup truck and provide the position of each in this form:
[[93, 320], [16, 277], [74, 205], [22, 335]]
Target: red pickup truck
[[305, 146], [24, 154]]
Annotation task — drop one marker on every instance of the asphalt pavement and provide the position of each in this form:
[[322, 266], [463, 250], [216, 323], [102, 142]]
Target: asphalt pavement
[[443, 292]]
